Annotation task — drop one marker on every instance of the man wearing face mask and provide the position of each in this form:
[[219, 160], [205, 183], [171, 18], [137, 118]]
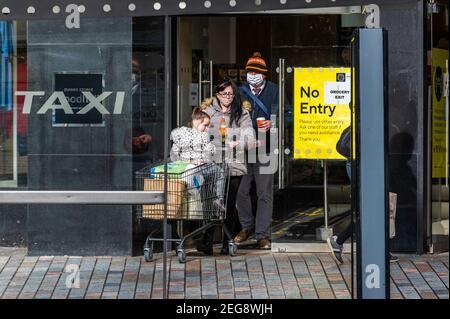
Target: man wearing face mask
[[263, 97], [140, 140], [135, 76]]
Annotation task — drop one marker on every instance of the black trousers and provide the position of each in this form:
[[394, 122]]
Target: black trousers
[[344, 235], [231, 221], [232, 218]]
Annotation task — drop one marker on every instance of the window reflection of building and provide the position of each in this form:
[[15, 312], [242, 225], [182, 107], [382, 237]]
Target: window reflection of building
[[147, 87]]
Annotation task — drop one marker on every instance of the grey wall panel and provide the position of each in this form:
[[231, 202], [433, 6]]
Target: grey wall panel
[[13, 225], [114, 62], [114, 31], [80, 158], [78, 172], [82, 231]]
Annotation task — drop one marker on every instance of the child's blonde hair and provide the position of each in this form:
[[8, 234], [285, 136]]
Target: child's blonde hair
[[198, 114]]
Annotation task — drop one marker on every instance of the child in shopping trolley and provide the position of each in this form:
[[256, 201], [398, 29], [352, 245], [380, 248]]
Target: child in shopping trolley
[[191, 144]]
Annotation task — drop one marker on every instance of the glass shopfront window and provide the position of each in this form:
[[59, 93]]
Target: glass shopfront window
[[81, 109], [437, 53], [319, 41]]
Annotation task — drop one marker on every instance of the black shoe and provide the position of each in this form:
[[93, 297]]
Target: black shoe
[[225, 251], [206, 248], [392, 258]]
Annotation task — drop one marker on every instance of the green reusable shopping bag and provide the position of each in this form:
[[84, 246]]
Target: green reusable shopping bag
[[174, 169]]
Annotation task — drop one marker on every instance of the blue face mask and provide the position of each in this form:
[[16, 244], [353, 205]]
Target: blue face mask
[[255, 79]]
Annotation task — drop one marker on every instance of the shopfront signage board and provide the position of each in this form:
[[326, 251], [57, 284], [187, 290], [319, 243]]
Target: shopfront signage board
[[72, 85]]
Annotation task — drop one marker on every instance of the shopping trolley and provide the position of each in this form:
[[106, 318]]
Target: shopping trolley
[[197, 193]]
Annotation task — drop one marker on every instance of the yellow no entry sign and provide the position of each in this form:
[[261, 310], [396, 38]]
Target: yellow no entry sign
[[322, 98], [439, 121]]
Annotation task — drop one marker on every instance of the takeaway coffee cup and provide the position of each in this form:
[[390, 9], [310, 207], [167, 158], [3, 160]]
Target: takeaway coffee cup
[[260, 121]]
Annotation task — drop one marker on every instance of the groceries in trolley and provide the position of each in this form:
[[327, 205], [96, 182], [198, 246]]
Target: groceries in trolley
[[193, 191]]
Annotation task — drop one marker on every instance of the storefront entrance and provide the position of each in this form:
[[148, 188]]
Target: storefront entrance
[[145, 56], [128, 58], [210, 48]]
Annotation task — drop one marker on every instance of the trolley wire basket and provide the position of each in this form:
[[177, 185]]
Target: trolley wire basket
[[194, 192]]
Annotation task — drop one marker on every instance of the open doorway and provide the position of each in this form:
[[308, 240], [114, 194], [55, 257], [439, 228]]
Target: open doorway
[[211, 47]]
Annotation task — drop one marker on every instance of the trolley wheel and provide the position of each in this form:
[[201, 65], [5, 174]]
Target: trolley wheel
[[232, 248], [181, 256], [148, 254]]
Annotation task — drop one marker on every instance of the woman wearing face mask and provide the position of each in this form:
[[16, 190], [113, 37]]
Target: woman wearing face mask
[[228, 116]]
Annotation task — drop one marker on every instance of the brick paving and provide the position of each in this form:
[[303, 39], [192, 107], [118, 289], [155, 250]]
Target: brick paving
[[250, 274]]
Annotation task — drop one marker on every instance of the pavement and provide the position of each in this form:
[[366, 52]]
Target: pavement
[[251, 274]]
